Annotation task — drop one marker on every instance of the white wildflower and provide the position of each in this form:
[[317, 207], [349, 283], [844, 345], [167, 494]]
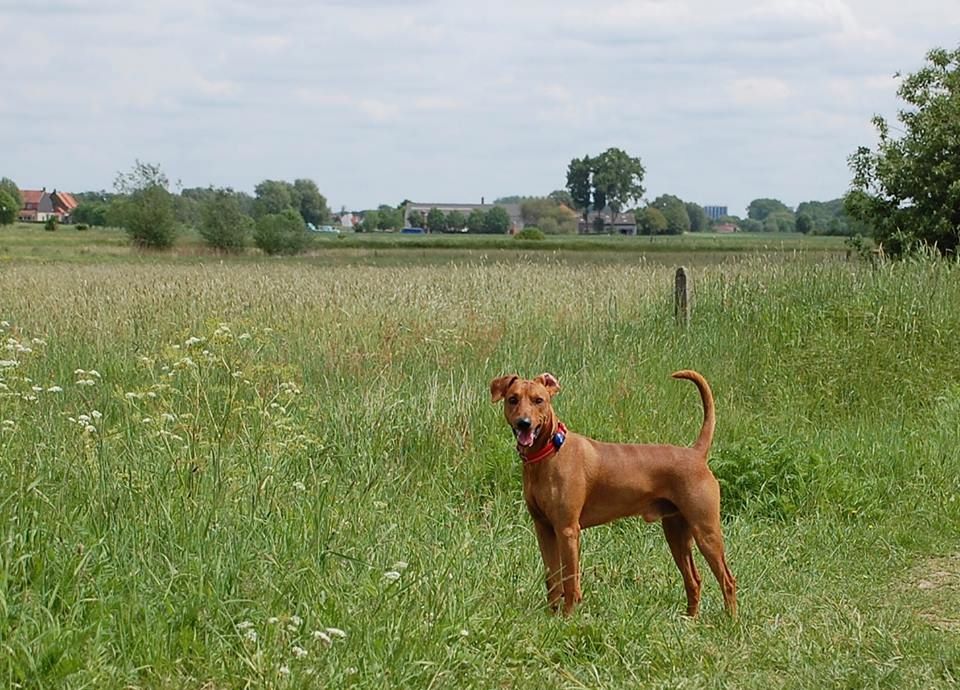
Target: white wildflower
[[299, 486], [37, 389], [8, 363], [90, 429], [400, 565], [244, 625], [250, 635], [284, 670], [322, 637], [133, 396], [54, 389], [464, 633], [86, 382], [83, 419], [79, 372], [167, 417], [391, 575], [94, 373], [336, 632], [38, 341], [146, 420], [4, 324], [298, 652], [192, 340], [96, 414], [272, 620]]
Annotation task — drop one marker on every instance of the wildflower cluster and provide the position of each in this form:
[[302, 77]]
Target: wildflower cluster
[[285, 641]]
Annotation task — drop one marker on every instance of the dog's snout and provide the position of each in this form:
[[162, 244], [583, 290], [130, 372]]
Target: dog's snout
[[524, 424]]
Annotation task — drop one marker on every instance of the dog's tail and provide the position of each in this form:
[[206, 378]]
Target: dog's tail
[[709, 416]]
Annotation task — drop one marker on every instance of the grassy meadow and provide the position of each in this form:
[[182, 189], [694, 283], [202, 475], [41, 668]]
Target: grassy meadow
[[287, 473]]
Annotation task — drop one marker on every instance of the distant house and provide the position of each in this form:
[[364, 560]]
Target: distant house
[[725, 228], [620, 223], [513, 211], [39, 205]]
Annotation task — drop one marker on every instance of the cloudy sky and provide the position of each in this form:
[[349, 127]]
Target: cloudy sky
[[448, 101]]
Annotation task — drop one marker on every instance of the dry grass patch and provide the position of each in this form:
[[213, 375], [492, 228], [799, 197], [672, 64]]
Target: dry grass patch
[[937, 580]]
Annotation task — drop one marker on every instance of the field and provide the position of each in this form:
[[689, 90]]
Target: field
[[287, 473]]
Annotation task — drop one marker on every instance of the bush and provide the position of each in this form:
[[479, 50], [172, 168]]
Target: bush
[[223, 225], [51, 224], [9, 208], [530, 233], [281, 233], [82, 226]]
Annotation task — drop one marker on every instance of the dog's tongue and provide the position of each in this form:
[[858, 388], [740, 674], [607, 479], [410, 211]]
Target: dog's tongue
[[525, 438]]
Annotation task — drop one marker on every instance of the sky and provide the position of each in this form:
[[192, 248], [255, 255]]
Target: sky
[[380, 101]]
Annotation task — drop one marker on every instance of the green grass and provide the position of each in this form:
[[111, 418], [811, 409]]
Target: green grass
[[265, 440]]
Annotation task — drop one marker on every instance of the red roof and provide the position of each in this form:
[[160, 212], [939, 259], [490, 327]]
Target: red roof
[[66, 200], [32, 196]]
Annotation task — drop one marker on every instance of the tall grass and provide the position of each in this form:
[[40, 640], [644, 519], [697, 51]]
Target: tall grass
[[208, 472]]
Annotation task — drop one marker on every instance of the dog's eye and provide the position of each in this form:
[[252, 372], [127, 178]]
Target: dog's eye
[[513, 400], [538, 401]]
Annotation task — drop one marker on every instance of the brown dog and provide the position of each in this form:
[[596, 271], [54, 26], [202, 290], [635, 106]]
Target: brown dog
[[571, 482]]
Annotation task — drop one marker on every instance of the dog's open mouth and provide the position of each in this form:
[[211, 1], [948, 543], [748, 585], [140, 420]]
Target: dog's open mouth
[[526, 438]]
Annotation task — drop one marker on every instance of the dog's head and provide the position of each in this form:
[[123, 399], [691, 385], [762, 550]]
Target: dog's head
[[526, 404]]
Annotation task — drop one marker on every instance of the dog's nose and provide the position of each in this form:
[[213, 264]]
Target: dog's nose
[[524, 424]]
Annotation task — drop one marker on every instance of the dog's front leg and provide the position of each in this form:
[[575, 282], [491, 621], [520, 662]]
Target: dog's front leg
[[568, 538], [547, 539]]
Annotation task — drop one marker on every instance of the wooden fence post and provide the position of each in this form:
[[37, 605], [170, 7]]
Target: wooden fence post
[[681, 297]]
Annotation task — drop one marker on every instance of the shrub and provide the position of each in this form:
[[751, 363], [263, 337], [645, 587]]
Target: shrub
[[82, 226], [530, 233], [51, 224], [281, 233], [223, 225]]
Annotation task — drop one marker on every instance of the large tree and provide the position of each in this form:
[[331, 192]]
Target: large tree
[[675, 211], [650, 221], [436, 220], [908, 190], [759, 209], [9, 208], [496, 221], [698, 217], [311, 203], [274, 196], [11, 188], [613, 179]]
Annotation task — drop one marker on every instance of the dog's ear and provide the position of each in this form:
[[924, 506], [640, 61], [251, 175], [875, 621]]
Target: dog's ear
[[499, 386], [549, 382]]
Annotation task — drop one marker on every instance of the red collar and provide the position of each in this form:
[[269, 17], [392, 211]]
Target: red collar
[[559, 436]]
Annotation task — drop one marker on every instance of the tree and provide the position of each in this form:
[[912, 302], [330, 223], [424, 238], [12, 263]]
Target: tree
[[759, 209], [579, 184], [675, 211], [780, 221], [436, 220], [549, 215], [9, 208], [146, 211], [274, 196], [497, 221], [804, 224], [612, 179], [311, 203], [475, 220], [281, 233], [698, 217], [370, 222], [651, 221], [455, 221], [415, 219], [223, 225], [562, 196], [389, 218], [10, 187], [908, 190], [617, 179]]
